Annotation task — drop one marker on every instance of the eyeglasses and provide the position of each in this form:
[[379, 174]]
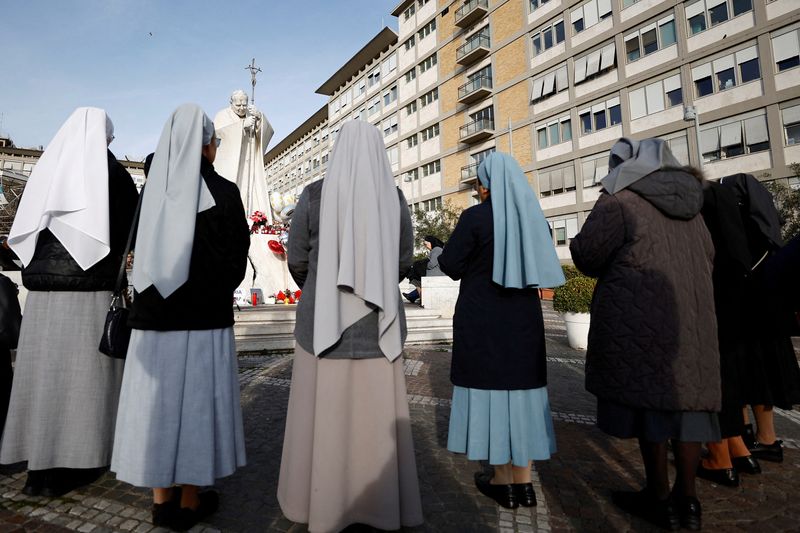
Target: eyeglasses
[[219, 141]]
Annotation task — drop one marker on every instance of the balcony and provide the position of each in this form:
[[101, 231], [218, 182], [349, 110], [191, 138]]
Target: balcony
[[477, 88], [469, 174], [471, 12], [474, 49], [477, 130]]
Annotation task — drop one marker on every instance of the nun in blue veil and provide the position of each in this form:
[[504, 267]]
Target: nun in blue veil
[[502, 251]]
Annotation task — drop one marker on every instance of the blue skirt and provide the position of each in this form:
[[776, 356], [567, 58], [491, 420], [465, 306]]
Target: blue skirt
[[501, 426]]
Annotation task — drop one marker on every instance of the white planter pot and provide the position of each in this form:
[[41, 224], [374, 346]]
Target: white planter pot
[[577, 330]]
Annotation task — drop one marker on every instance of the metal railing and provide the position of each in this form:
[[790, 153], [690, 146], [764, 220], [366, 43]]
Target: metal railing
[[474, 43], [467, 8], [469, 172], [482, 81], [476, 126]]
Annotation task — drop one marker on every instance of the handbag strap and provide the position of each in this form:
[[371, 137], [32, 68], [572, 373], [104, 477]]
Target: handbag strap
[[121, 274]]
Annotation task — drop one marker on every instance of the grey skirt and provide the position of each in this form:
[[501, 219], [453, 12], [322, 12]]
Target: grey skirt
[[65, 392], [628, 422], [180, 418]]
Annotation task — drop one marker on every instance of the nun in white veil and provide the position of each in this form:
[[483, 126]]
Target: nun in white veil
[[180, 420], [69, 232], [348, 455]]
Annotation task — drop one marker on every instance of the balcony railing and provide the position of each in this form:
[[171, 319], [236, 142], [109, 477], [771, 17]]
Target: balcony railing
[[471, 12], [475, 89], [475, 48], [469, 173], [477, 130]]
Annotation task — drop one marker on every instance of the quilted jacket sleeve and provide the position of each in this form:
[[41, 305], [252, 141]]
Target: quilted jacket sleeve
[[602, 235]]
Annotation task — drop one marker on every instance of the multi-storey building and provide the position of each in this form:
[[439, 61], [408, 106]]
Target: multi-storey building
[[557, 82], [301, 157]]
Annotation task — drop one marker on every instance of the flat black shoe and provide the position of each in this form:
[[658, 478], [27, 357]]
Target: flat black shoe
[[63, 480], [34, 483], [524, 494], [690, 513], [187, 518], [768, 452], [644, 505], [165, 514], [747, 464], [407, 296], [728, 477], [502, 494]]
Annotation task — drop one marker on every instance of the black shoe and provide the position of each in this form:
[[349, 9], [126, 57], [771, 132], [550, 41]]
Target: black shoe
[[690, 513], [164, 514], [63, 480], [644, 505], [34, 482], [187, 518], [408, 296], [722, 476], [768, 452], [502, 494], [524, 494], [747, 464]]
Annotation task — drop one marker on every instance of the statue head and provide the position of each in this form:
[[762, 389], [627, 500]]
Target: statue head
[[239, 102]]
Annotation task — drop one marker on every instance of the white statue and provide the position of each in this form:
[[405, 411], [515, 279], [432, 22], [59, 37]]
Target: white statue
[[244, 134]]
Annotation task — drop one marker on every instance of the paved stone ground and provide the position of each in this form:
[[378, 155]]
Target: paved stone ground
[[573, 488]]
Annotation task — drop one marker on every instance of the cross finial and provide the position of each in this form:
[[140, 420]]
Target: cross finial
[[254, 70]]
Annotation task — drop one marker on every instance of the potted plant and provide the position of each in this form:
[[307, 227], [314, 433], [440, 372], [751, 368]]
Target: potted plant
[[573, 300]]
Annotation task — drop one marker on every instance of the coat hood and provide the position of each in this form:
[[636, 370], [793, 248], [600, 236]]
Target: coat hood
[[678, 193]]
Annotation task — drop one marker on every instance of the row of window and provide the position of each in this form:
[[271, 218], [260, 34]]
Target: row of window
[[410, 10], [427, 134]]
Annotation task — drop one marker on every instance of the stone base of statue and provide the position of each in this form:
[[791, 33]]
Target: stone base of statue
[[266, 270]]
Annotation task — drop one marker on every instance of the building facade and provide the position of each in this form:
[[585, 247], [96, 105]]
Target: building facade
[[557, 82]]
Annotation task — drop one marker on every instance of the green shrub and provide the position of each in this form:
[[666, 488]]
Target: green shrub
[[575, 296], [570, 271]]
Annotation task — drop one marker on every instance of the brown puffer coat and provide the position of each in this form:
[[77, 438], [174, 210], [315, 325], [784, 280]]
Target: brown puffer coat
[[652, 340]]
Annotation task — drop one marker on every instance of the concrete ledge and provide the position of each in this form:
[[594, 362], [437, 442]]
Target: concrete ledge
[[440, 293]]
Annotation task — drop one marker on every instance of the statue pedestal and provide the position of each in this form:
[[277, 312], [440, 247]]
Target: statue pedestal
[[266, 270]]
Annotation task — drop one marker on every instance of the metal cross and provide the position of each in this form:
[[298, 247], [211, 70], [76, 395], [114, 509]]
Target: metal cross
[[254, 70]]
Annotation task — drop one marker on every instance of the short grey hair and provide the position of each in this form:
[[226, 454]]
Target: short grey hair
[[238, 92]]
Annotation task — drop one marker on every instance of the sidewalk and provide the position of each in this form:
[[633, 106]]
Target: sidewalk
[[573, 488]]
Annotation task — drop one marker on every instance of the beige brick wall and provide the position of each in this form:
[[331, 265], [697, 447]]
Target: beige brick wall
[[451, 166], [446, 25], [523, 151], [507, 20], [510, 62], [460, 200], [512, 103], [448, 95], [449, 131]]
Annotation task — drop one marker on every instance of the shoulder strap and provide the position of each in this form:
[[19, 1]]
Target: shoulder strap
[[121, 274]]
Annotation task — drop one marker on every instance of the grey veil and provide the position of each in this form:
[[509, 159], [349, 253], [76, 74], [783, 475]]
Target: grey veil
[[359, 242], [175, 192]]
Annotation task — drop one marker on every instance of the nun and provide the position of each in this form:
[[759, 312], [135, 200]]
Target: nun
[[653, 355], [180, 421], [348, 456], [70, 233], [502, 251]]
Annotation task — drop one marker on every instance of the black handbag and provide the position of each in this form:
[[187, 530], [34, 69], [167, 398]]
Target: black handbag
[[116, 332]]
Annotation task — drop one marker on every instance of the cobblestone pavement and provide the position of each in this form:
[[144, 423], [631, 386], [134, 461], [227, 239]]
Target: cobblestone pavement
[[573, 488]]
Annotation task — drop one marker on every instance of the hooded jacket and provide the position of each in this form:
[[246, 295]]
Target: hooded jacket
[[652, 341]]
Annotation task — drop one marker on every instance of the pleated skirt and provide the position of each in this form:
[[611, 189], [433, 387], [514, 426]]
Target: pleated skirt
[[348, 454], [65, 392], [180, 418], [501, 426]]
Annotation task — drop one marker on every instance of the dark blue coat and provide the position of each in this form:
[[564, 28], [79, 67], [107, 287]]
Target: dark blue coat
[[498, 333]]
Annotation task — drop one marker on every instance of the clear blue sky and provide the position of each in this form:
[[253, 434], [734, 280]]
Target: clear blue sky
[[61, 54]]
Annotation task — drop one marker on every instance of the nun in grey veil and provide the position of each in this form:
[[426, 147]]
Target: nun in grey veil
[[348, 456], [180, 419]]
